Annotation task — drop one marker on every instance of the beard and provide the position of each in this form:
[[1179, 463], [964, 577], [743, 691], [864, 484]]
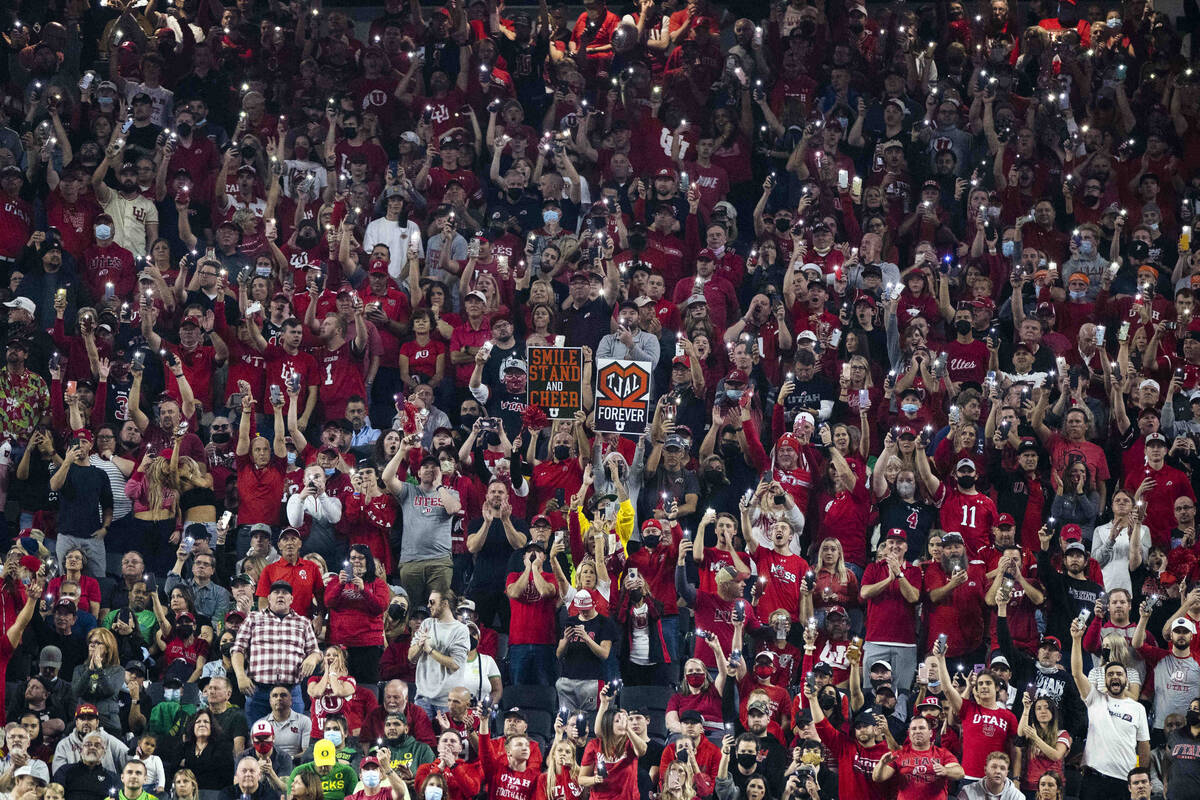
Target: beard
[[950, 562]]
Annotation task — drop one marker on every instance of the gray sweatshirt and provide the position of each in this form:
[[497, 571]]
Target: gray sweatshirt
[[450, 639]]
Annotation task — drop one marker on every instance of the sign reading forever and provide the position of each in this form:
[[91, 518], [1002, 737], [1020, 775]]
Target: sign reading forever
[[556, 380], [622, 396]]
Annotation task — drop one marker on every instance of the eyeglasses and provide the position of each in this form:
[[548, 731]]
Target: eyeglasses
[[225, 427]]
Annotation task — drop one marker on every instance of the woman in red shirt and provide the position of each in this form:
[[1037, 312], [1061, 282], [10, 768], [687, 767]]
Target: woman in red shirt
[[424, 355], [610, 762], [834, 585], [368, 514], [560, 781], [1044, 744]]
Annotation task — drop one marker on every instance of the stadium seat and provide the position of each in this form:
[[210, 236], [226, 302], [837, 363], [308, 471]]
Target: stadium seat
[[541, 698]]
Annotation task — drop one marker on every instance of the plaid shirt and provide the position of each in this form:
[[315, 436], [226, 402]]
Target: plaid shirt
[[279, 645]]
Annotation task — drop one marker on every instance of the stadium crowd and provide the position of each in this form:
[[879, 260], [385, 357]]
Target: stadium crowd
[[907, 295]]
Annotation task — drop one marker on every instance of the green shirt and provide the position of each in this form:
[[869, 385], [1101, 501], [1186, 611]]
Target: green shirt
[[167, 719], [410, 753], [339, 782], [147, 624], [143, 796]]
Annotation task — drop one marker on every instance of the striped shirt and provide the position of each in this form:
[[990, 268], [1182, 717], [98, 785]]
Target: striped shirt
[[122, 505]]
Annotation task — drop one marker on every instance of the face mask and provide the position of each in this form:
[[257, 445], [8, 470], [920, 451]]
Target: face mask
[[1193, 717], [730, 451], [562, 452], [468, 420], [491, 439], [329, 472], [221, 437], [782, 224], [747, 760], [300, 153], [826, 702], [350, 133], [474, 640], [1078, 295], [262, 748], [764, 671], [291, 458], [550, 217], [334, 737], [635, 596], [184, 631], [637, 241], [909, 408], [696, 680], [906, 489], [1152, 226], [966, 481], [172, 695], [734, 394], [1008, 248], [103, 231], [306, 240], [651, 541], [962, 326], [370, 778], [1087, 248], [227, 649], [714, 476], [433, 793], [447, 466], [184, 129]]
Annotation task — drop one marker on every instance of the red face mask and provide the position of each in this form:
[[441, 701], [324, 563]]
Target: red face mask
[[696, 680], [764, 671], [262, 746]]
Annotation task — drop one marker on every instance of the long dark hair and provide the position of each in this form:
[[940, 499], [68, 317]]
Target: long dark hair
[[363, 550], [189, 730]]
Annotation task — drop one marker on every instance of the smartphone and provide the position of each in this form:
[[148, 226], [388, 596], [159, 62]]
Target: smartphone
[[923, 672], [226, 518], [631, 574], [276, 394], [977, 668]]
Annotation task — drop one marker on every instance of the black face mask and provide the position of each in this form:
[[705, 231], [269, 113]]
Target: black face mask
[[227, 648], [651, 541], [826, 702], [562, 452], [715, 476], [248, 153], [468, 420], [782, 225], [635, 595], [350, 133], [962, 326], [1193, 717], [747, 760], [514, 194], [396, 611], [184, 129], [637, 241], [730, 451], [491, 439], [307, 241], [966, 481], [184, 631], [220, 437], [474, 640]]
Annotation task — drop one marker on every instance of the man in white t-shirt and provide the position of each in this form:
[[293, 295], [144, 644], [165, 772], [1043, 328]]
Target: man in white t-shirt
[[1118, 737]]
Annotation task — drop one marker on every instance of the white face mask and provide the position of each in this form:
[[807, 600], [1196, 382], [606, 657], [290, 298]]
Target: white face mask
[[433, 793]]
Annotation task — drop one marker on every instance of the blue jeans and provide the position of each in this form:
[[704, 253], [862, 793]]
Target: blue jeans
[[670, 632], [531, 664], [431, 709], [258, 705]]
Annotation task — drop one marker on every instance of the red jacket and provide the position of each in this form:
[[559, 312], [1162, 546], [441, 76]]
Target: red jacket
[[463, 779], [356, 616]]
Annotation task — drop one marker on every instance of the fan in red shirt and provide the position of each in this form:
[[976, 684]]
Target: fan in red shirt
[[923, 770], [71, 211], [107, 264], [261, 467], [857, 755], [511, 777], [460, 780], [308, 590], [609, 766], [954, 589], [967, 510], [779, 569], [987, 726], [340, 362], [198, 360]]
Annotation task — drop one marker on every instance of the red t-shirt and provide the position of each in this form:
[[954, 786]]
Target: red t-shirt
[[198, 366], [341, 374], [708, 703], [260, 491], [281, 364], [716, 616], [984, 731], [961, 614], [621, 783], [846, 518], [915, 775], [550, 476], [890, 618], [855, 762], [714, 559], [966, 362], [532, 614], [781, 589], [972, 515]]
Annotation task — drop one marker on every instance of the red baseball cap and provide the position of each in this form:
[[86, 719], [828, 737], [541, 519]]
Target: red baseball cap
[[1006, 521], [1071, 532], [737, 376]]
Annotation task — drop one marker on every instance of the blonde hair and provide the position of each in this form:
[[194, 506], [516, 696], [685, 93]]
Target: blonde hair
[[687, 788], [839, 568], [106, 638], [159, 479]]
